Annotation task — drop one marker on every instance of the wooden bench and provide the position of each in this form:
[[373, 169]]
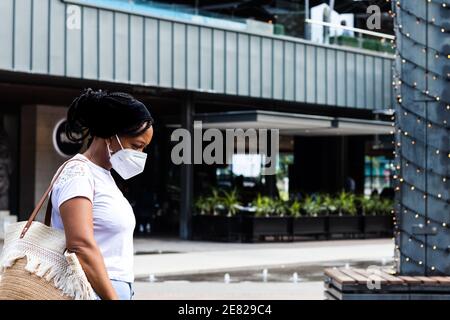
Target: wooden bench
[[382, 284]]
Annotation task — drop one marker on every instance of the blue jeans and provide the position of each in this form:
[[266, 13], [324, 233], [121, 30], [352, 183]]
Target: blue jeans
[[123, 289]]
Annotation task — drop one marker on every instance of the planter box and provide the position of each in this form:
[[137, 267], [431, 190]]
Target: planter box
[[309, 226], [345, 225], [381, 225], [251, 229], [218, 228], [256, 228]]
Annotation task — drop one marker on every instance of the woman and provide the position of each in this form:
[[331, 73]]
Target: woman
[[97, 219]]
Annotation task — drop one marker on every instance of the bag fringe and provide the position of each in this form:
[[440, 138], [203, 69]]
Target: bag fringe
[[64, 278]]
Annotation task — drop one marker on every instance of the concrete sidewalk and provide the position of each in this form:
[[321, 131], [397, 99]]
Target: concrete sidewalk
[[194, 258], [205, 257], [180, 290]]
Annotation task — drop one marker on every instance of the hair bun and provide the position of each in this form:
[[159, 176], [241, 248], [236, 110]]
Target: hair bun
[[94, 95], [88, 112]]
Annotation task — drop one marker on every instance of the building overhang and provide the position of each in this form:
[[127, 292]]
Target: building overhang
[[294, 124]]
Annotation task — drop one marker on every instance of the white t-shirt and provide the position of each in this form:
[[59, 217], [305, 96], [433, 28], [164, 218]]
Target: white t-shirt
[[113, 216]]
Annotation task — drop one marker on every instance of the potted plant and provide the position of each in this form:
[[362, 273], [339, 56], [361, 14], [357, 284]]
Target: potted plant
[[310, 224], [231, 202], [271, 219], [378, 216], [204, 205], [346, 222], [216, 216]]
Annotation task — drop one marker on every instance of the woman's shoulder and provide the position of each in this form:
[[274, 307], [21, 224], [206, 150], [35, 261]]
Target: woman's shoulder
[[77, 167]]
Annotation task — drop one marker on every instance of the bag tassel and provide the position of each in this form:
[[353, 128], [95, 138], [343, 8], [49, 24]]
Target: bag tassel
[[65, 280]]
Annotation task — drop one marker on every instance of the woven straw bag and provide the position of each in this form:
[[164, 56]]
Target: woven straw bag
[[35, 265]]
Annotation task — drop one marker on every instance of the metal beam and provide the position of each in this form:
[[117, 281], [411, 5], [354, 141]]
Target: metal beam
[[187, 174]]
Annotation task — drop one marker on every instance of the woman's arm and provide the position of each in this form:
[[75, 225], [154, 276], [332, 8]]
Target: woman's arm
[[76, 215]]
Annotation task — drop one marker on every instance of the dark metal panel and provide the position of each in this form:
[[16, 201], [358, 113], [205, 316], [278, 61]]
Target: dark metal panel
[[179, 55], [187, 174], [151, 51], [278, 70], [266, 68], [106, 45], [6, 33], [136, 49], [90, 46], [39, 50], [289, 72], [413, 200]]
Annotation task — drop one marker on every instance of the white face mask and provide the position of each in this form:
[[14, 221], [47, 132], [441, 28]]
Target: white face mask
[[127, 162]]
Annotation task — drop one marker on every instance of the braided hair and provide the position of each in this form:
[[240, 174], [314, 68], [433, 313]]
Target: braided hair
[[103, 114]]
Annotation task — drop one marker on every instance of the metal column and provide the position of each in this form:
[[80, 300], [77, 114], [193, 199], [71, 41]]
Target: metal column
[[422, 137], [187, 174]]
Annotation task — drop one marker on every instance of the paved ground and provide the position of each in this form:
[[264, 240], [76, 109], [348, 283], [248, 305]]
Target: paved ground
[[199, 257], [232, 291], [178, 275], [178, 265]]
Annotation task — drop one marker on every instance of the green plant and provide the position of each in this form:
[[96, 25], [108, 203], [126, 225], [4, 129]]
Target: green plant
[[376, 205], [345, 203], [328, 204], [217, 201], [279, 207], [263, 206], [385, 206], [295, 208], [230, 202], [204, 205], [311, 206]]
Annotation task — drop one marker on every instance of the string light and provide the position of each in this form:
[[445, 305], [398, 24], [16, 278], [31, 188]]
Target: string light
[[419, 19], [418, 215], [419, 128]]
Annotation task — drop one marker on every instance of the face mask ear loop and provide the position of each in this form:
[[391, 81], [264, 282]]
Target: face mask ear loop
[[108, 148], [118, 140]]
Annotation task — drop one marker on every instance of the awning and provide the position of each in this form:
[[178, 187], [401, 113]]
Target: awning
[[293, 123]]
